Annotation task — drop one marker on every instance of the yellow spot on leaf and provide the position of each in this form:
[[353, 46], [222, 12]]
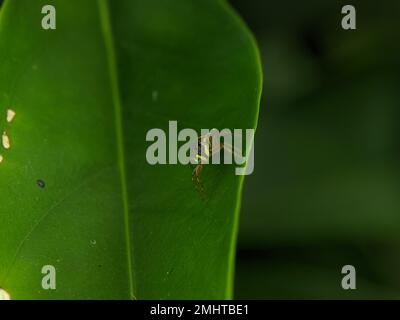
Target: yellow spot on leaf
[[10, 115], [5, 140], [4, 295]]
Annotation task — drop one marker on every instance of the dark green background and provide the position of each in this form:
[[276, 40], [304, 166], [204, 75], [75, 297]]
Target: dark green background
[[326, 186]]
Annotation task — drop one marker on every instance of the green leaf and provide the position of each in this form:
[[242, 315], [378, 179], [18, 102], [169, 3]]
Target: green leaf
[[85, 95]]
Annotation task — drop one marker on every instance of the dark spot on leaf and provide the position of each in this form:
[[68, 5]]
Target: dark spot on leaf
[[40, 183]]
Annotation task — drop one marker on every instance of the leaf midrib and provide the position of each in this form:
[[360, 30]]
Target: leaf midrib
[[106, 27]]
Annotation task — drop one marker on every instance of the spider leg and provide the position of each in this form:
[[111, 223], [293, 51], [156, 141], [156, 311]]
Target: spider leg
[[228, 147], [196, 179], [216, 148]]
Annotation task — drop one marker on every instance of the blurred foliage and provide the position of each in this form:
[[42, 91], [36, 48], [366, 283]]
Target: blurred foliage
[[325, 192]]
